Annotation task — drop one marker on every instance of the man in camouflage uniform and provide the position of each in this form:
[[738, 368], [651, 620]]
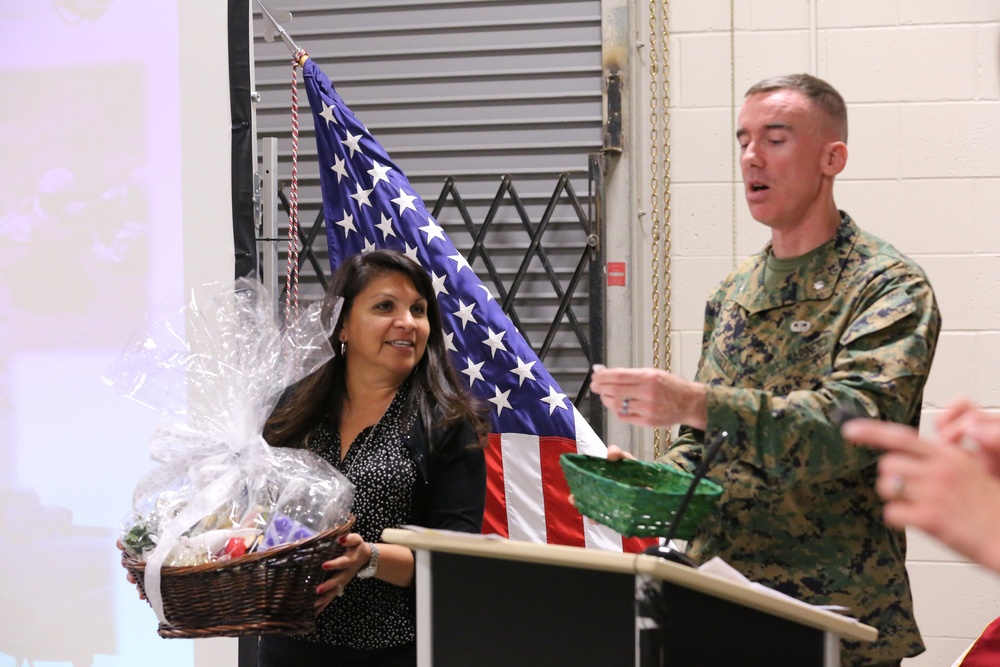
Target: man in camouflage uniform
[[826, 320]]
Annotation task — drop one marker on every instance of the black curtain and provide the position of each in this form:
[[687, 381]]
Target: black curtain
[[244, 230], [243, 168]]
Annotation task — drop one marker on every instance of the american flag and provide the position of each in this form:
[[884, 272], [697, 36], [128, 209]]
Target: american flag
[[368, 203]]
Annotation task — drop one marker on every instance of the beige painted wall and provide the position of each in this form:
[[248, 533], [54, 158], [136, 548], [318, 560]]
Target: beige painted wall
[[922, 83]]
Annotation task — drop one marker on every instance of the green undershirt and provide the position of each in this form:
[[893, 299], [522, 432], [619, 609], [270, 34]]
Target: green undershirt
[[776, 270]]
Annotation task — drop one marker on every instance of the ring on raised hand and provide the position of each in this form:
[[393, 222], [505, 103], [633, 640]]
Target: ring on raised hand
[[625, 406], [970, 445], [897, 487]]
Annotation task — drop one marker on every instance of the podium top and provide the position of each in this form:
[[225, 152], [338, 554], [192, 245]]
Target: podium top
[[491, 546]]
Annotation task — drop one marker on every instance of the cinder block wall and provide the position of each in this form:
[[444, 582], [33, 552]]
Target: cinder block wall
[[922, 82]]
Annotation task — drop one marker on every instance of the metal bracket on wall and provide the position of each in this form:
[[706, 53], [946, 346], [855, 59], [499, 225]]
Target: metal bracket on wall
[[613, 134], [257, 206], [267, 241]]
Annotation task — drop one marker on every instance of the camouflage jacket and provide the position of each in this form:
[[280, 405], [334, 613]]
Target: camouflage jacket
[[853, 330]]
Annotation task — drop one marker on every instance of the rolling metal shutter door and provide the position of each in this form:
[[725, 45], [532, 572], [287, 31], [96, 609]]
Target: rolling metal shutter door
[[473, 90]]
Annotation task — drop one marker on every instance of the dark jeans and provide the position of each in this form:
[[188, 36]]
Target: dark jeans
[[282, 651]]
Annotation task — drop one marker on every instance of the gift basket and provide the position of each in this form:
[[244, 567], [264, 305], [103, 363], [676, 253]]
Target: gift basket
[[227, 535], [637, 498]]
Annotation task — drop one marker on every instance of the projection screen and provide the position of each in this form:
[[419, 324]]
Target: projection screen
[[114, 196]]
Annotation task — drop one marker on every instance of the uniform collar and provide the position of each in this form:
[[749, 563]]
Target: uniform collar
[[814, 281]]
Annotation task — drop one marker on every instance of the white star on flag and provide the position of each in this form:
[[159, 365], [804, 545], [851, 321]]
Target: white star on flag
[[412, 253], [432, 230], [474, 371], [327, 113], [339, 168], [449, 342], [361, 196], [352, 142], [555, 400], [438, 283], [464, 313], [493, 341], [461, 262], [385, 227], [500, 400], [404, 201], [523, 371], [347, 223], [378, 173]]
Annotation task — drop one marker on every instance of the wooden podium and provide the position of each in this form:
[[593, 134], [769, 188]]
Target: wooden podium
[[488, 601]]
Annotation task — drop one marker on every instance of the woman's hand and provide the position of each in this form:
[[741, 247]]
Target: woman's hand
[[128, 575], [616, 453], [964, 424], [343, 568], [933, 485], [131, 580]]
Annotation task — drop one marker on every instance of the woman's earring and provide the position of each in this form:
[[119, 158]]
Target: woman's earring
[[343, 348]]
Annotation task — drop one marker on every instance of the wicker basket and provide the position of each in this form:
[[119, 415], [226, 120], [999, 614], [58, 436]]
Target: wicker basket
[[265, 592], [636, 498]]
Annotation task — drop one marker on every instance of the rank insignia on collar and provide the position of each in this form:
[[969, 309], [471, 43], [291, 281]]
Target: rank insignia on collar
[[801, 326]]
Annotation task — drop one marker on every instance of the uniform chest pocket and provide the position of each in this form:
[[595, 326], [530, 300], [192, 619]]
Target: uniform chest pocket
[[773, 364]]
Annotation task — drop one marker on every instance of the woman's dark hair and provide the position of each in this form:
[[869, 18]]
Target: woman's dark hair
[[437, 392]]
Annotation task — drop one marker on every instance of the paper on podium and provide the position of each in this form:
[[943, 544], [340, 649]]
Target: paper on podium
[[720, 568]]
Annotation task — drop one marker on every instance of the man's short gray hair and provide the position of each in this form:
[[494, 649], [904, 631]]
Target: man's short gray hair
[[817, 90]]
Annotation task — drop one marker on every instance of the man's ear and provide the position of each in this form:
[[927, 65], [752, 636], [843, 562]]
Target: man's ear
[[834, 158]]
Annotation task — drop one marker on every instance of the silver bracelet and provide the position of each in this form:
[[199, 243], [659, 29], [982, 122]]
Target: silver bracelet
[[371, 568]]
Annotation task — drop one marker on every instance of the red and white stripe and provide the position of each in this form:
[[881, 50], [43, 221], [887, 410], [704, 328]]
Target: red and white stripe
[[528, 497]]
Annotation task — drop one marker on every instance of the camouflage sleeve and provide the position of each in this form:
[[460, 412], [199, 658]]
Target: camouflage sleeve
[[879, 366], [686, 451]]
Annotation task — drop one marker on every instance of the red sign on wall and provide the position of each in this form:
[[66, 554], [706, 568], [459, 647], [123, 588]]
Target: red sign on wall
[[616, 274]]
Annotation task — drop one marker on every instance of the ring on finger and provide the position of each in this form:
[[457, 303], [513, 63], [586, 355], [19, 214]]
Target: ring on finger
[[625, 402], [897, 487], [970, 445]]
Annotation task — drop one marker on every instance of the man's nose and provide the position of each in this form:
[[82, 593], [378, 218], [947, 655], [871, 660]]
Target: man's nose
[[750, 157]]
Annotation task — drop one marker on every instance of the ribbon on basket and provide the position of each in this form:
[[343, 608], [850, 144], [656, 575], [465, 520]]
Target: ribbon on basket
[[204, 503], [214, 369]]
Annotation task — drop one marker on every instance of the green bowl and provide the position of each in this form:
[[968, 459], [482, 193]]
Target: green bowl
[[637, 498]]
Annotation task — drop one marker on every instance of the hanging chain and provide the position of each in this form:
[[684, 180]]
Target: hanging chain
[[732, 119], [667, 235], [654, 189], [659, 88], [292, 268]]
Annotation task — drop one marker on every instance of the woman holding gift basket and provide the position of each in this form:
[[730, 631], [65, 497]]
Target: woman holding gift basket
[[389, 412]]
